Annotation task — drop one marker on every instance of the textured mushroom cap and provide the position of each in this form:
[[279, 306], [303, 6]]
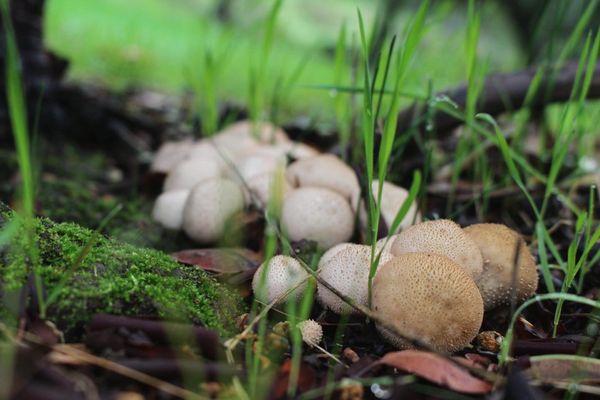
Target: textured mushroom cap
[[387, 247], [311, 332], [393, 197], [333, 251], [208, 208], [326, 171], [190, 172], [261, 186], [207, 149], [282, 274], [498, 244], [169, 155], [242, 137], [443, 237], [317, 214], [347, 271], [168, 209], [257, 164], [299, 150], [427, 297]]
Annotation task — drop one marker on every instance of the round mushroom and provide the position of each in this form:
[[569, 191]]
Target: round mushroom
[[168, 209], [427, 297], [169, 155], [190, 172], [262, 188], [311, 331], [443, 237], [244, 136], [271, 281], [317, 214], [392, 198], [498, 245], [326, 171], [347, 270], [209, 207]]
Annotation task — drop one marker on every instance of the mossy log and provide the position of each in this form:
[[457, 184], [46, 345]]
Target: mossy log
[[113, 278]]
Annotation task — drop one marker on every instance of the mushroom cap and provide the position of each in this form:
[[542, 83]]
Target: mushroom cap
[[169, 155], [207, 149], [190, 172], [333, 251], [347, 271], [387, 247], [256, 164], [299, 150], [443, 237], [208, 208], [261, 186], [498, 244], [311, 332], [243, 136], [427, 297], [318, 214], [392, 198], [282, 274], [168, 209], [326, 171]]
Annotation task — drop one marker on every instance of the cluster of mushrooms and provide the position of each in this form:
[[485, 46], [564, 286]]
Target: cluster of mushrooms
[[434, 279]]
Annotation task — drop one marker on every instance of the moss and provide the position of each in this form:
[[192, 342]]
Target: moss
[[117, 278]]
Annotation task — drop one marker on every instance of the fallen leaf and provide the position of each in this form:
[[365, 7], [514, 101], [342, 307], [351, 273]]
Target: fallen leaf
[[567, 369], [306, 379], [222, 261], [436, 369]]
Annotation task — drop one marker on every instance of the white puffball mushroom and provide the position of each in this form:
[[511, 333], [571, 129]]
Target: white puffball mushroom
[[256, 164], [326, 171], [311, 331], [169, 155], [271, 281], [262, 188], [168, 209], [190, 172], [392, 198], [317, 214], [498, 244], [427, 297], [244, 136], [209, 207], [206, 149], [347, 270], [299, 150], [442, 237]]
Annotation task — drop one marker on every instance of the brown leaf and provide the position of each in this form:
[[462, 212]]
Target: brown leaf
[[222, 261], [569, 369], [436, 369], [306, 379]]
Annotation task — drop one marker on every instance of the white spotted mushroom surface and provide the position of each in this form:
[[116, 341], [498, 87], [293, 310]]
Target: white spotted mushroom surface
[[498, 244], [271, 281], [442, 237], [430, 298]]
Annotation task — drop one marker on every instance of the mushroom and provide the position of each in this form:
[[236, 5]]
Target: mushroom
[[311, 332], [168, 209], [427, 297], [498, 245], [347, 270], [207, 149], [190, 172], [262, 188], [271, 281], [326, 171], [443, 237], [209, 207], [317, 214], [169, 155], [244, 136], [257, 164], [392, 198]]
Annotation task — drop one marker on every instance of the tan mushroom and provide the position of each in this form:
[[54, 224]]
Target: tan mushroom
[[311, 331], [209, 207], [168, 209], [271, 281], [317, 214], [190, 172], [430, 298], [347, 270], [498, 245], [443, 237], [326, 171]]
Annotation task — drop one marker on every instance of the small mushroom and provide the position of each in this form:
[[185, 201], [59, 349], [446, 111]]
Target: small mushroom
[[317, 214], [392, 198], [168, 209], [326, 171], [190, 172], [347, 270], [271, 281], [257, 164], [244, 136], [430, 298], [498, 245], [262, 187], [311, 331], [169, 155], [443, 237], [207, 149], [209, 207]]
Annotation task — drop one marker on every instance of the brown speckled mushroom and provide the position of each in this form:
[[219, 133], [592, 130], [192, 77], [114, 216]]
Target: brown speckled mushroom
[[281, 274], [317, 214], [168, 209], [430, 298], [209, 207], [190, 172], [326, 171], [443, 237], [347, 270], [498, 244]]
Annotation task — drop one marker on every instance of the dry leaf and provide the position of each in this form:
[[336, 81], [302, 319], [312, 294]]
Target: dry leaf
[[569, 369], [222, 261]]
